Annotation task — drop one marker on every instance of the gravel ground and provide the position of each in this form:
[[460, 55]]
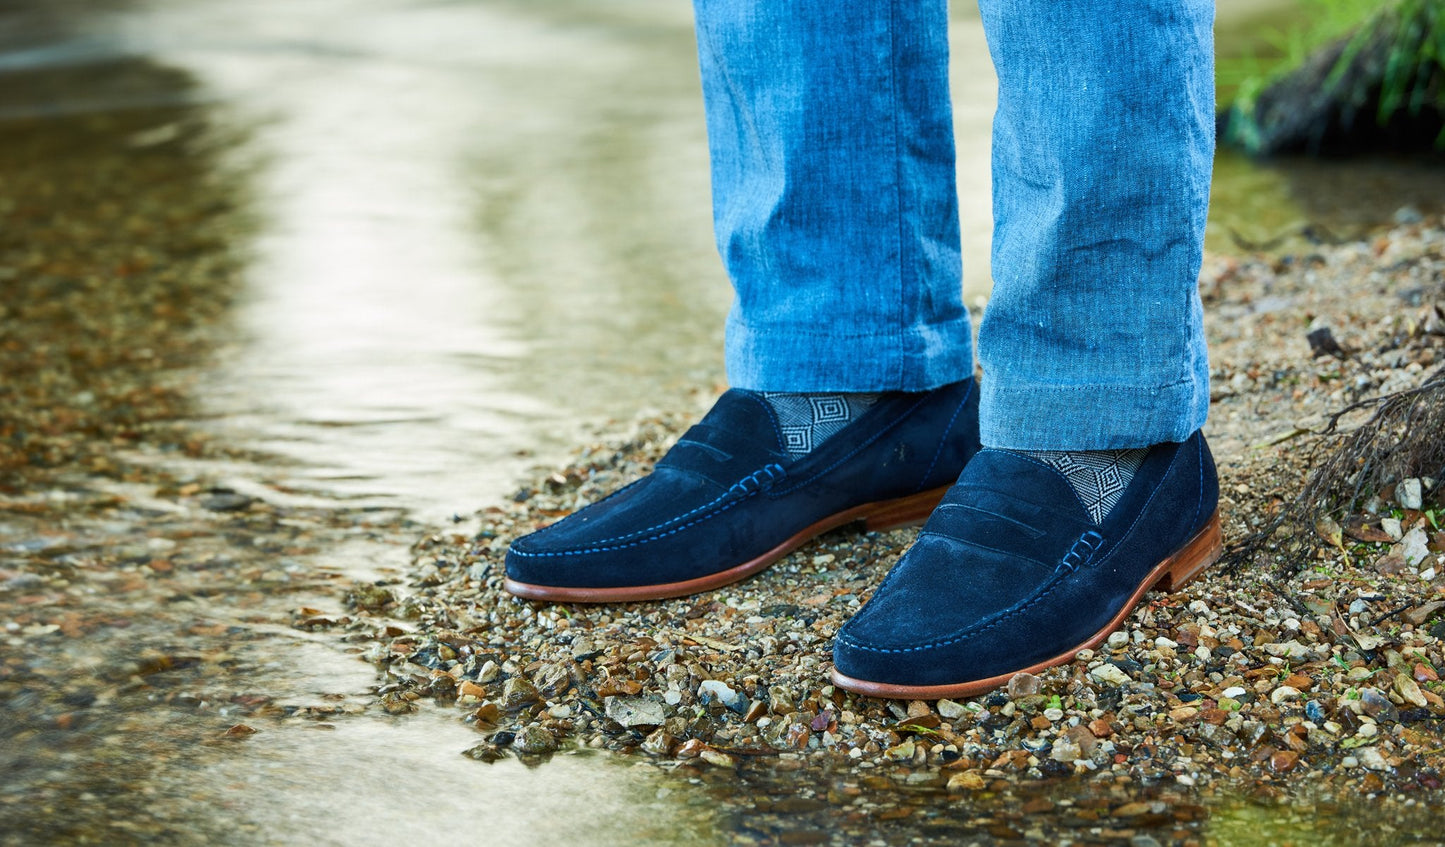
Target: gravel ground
[[1313, 663]]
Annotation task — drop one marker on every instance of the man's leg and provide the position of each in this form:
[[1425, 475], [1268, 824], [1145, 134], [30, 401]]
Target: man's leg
[[1092, 344], [1103, 147], [834, 196], [848, 346]]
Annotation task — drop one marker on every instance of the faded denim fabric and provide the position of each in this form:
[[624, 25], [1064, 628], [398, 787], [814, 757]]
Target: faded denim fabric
[[836, 215]]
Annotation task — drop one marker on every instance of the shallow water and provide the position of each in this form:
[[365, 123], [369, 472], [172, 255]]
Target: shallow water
[[465, 232]]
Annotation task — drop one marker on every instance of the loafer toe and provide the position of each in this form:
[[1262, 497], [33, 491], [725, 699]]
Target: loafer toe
[[1011, 575]]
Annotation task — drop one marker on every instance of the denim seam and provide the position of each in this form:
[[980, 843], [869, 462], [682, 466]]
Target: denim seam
[[1045, 389], [803, 330], [899, 336], [943, 442]]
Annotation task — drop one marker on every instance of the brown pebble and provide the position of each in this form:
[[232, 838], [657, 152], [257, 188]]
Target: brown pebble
[[1283, 761], [690, 749], [471, 688], [966, 781]]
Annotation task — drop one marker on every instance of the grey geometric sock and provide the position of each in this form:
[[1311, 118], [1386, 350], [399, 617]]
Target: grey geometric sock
[[808, 420], [1099, 477]]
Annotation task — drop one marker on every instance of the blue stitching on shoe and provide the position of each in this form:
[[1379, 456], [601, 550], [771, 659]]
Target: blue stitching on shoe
[[943, 442], [1090, 541], [638, 543], [744, 488]]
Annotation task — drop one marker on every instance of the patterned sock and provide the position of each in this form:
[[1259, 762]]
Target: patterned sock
[[808, 420], [1099, 477]]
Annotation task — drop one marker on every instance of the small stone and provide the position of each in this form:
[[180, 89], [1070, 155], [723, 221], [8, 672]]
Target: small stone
[[1392, 528], [951, 710], [534, 740], [659, 743], [1022, 685], [1287, 650], [966, 781], [1064, 750], [1110, 675], [1220, 736], [717, 758], [471, 689], [1350, 762], [1409, 494], [634, 711], [518, 693], [1053, 715], [1314, 711], [1084, 739], [1101, 728], [1414, 547], [1372, 759], [691, 749], [1283, 693], [901, 752], [1234, 692], [1377, 706], [716, 691], [1118, 639], [1283, 761], [488, 673], [1409, 690]]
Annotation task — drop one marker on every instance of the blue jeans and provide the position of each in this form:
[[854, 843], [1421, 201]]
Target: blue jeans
[[836, 215]]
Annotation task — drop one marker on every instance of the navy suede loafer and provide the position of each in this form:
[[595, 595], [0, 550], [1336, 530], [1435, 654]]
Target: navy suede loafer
[[727, 500], [1010, 574]]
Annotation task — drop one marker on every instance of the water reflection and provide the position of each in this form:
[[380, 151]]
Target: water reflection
[[363, 783]]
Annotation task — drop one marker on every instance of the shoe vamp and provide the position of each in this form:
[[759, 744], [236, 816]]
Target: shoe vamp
[[658, 503], [943, 588]]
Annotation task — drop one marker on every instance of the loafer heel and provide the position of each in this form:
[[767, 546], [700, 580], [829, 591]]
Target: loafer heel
[[905, 511], [1201, 551]]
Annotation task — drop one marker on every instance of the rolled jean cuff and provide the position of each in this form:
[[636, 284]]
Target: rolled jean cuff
[[804, 359], [1090, 417]]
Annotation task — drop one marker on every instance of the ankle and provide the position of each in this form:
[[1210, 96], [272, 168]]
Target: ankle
[[806, 420]]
